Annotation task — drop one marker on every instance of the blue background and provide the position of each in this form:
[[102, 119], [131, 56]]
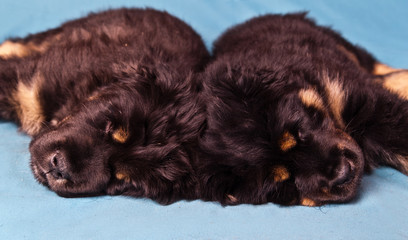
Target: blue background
[[30, 211]]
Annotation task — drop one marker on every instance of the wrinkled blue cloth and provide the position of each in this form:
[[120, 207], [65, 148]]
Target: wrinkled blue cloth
[[30, 211]]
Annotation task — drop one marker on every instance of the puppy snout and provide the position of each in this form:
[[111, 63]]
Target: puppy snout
[[58, 166]]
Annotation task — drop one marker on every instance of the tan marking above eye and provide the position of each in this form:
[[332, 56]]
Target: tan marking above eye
[[28, 107], [280, 174], [287, 141], [311, 98], [120, 135]]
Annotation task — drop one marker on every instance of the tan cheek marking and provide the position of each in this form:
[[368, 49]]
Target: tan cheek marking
[[120, 135], [28, 107], [382, 69], [308, 202], [397, 83], [287, 141], [336, 97], [280, 174], [311, 98], [123, 176]]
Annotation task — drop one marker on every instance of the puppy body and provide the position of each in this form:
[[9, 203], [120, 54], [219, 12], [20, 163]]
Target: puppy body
[[109, 102], [294, 115]]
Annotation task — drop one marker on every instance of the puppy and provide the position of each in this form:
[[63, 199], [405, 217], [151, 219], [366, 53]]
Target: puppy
[[296, 115], [110, 103]]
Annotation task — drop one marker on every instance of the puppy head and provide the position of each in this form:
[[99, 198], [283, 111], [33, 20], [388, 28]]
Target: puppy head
[[74, 156], [128, 139], [325, 163], [278, 138], [72, 159]]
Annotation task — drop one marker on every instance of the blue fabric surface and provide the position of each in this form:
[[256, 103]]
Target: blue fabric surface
[[30, 211]]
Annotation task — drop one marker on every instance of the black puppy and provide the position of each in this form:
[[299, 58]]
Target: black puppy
[[295, 114], [109, 101]]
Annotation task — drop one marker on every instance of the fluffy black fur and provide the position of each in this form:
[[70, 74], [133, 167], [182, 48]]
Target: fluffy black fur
[[109, 102], [286, 112], [294, 115]]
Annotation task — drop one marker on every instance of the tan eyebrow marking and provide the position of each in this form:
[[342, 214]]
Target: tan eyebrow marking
[[280, 173], [120, 135], [311, 98], [287, 141]]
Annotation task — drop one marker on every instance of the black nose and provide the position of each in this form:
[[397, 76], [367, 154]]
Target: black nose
[[58, 166]]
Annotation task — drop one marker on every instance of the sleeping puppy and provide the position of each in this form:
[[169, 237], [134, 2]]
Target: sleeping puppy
[[109, 102], [296, 115]]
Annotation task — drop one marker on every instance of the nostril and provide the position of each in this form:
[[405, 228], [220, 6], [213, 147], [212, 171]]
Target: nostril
[[57, 174], [58, 166], [57, 160], [343, 174], [54, 160]]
